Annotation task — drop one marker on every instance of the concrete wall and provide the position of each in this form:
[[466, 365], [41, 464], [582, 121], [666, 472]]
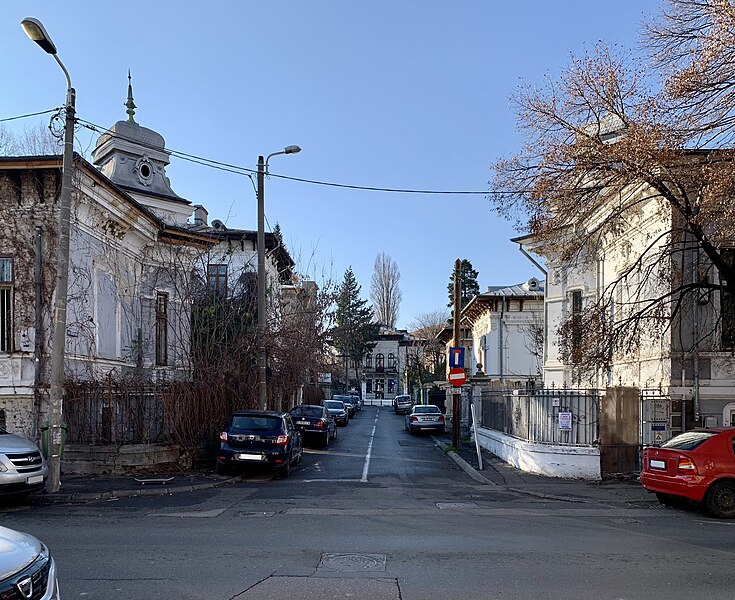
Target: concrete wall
[[582, 462]]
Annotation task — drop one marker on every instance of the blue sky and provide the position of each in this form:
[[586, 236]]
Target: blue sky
[[411, 94]]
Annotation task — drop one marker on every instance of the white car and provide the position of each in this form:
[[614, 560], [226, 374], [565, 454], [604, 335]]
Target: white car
[[22, 467], [27, 569]]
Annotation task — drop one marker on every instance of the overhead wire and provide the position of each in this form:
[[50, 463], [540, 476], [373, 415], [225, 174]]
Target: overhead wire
[[35, 114]]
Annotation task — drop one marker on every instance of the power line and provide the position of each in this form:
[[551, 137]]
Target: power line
[[239, 170], [35, 114]]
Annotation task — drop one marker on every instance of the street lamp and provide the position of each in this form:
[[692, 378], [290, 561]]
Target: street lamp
[[262, 366], [35, 30]]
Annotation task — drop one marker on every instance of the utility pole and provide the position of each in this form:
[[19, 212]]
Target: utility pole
[[456, 392], [36, 32], [262, 365]]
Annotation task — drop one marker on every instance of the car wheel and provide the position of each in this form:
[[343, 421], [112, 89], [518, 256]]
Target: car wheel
[[334, 435], [326, 438], [222, 468], [410, 430], [285, 470], [720, 499], [300, 456]]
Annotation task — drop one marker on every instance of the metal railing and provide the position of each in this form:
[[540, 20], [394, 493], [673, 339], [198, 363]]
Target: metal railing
[[553, 416]]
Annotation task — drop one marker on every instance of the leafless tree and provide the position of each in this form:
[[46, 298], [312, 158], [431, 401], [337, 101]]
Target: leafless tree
[[608, 151], [31, 140], [385, 291], [427, 326]]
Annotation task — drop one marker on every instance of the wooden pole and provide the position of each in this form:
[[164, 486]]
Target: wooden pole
[[456, 392]]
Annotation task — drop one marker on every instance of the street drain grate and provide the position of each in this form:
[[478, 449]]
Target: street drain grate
[[406, 443], [352, 563], [455, 505]]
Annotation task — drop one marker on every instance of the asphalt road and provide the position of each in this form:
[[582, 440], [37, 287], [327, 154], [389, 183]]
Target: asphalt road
[[378, 515]]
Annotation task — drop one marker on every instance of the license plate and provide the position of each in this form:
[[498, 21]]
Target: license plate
[[243, 456], [657, 464], [303, 423], [428, 419], [34, 479]]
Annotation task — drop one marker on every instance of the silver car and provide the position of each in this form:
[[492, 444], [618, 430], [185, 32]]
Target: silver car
[[27, 569], [425, 418], [22, 467]]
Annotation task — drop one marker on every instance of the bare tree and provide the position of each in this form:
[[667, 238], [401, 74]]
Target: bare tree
[[609, 152], [385, 291], [427, 326], [38, 140]]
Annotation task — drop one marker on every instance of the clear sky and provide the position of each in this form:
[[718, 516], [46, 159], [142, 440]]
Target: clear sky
[[407, 94]]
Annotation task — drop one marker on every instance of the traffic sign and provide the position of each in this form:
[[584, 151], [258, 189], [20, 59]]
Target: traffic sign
[[457, 376], [456, 357]]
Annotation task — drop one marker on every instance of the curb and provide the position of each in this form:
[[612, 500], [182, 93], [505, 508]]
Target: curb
[[463, 464], [61, 498]]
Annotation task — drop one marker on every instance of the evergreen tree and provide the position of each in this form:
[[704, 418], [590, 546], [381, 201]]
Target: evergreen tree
[[355, 333], [469, 288]]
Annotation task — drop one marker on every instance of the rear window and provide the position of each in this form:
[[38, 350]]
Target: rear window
[[253, 423], [307, 411], [334, 404], [689, 440], [426, 409]]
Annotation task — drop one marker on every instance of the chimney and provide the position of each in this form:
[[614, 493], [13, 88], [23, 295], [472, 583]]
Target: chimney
[[200, 215]]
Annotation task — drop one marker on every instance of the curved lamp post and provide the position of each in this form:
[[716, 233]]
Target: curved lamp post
[[262, 364], [35, 31]]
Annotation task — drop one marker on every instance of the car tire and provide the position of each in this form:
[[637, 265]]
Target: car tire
[[326, 438], [410, 430], [720, 499], [285, 470], [222, 468], [334, 436]]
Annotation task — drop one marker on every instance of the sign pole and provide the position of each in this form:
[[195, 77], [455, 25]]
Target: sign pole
[[456, 397]]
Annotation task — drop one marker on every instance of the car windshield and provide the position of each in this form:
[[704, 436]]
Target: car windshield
[[307, 411], [689, 440], [256, 423], [334, 404], [426, 409]]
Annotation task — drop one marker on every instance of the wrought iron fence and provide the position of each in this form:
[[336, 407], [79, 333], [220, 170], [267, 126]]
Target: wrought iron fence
[[551, 416], [117, 413]]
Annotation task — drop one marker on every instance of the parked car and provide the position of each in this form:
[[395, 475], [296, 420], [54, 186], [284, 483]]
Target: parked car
[[22, 467], [259, 437], [27, 569], [355, 395], [314, 421], [424, 418], [402, 404], [349, 403], [697, 465], [338, 410]]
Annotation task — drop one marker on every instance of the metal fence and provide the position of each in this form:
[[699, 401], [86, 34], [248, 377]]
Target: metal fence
[[111, 413], [553, 416]]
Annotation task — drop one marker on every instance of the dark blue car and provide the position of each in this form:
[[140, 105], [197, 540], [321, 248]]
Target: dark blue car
[[259, 437]]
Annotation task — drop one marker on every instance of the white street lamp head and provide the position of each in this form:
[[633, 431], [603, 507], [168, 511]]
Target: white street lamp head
[[291, 149], [35, 30]]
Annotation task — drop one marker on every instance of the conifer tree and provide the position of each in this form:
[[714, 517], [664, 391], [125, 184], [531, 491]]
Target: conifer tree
[[355, 333]]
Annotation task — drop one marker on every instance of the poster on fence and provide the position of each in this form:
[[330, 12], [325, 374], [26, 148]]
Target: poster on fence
[[565, 421]]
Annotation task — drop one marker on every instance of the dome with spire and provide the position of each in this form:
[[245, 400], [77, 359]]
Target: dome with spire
[[135, 158]]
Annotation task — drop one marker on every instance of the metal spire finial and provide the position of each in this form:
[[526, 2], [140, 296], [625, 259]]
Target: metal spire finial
[[130, 104]]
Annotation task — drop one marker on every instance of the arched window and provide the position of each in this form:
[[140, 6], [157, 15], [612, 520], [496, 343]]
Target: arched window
[[369, 361], [379, 362], [392, 361]]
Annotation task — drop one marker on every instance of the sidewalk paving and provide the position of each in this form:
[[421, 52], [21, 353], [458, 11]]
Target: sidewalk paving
[[495, 472]]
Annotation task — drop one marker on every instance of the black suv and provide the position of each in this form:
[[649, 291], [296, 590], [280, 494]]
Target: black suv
[[259, 437]]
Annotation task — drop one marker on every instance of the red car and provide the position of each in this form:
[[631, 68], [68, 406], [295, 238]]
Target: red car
[[697, 465]]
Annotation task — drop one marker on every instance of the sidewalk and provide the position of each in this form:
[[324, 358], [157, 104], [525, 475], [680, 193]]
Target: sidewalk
[[495, 472], [85, 488]]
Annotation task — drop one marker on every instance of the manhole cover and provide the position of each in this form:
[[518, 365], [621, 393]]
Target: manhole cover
[[353, 563], [455, 505]]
